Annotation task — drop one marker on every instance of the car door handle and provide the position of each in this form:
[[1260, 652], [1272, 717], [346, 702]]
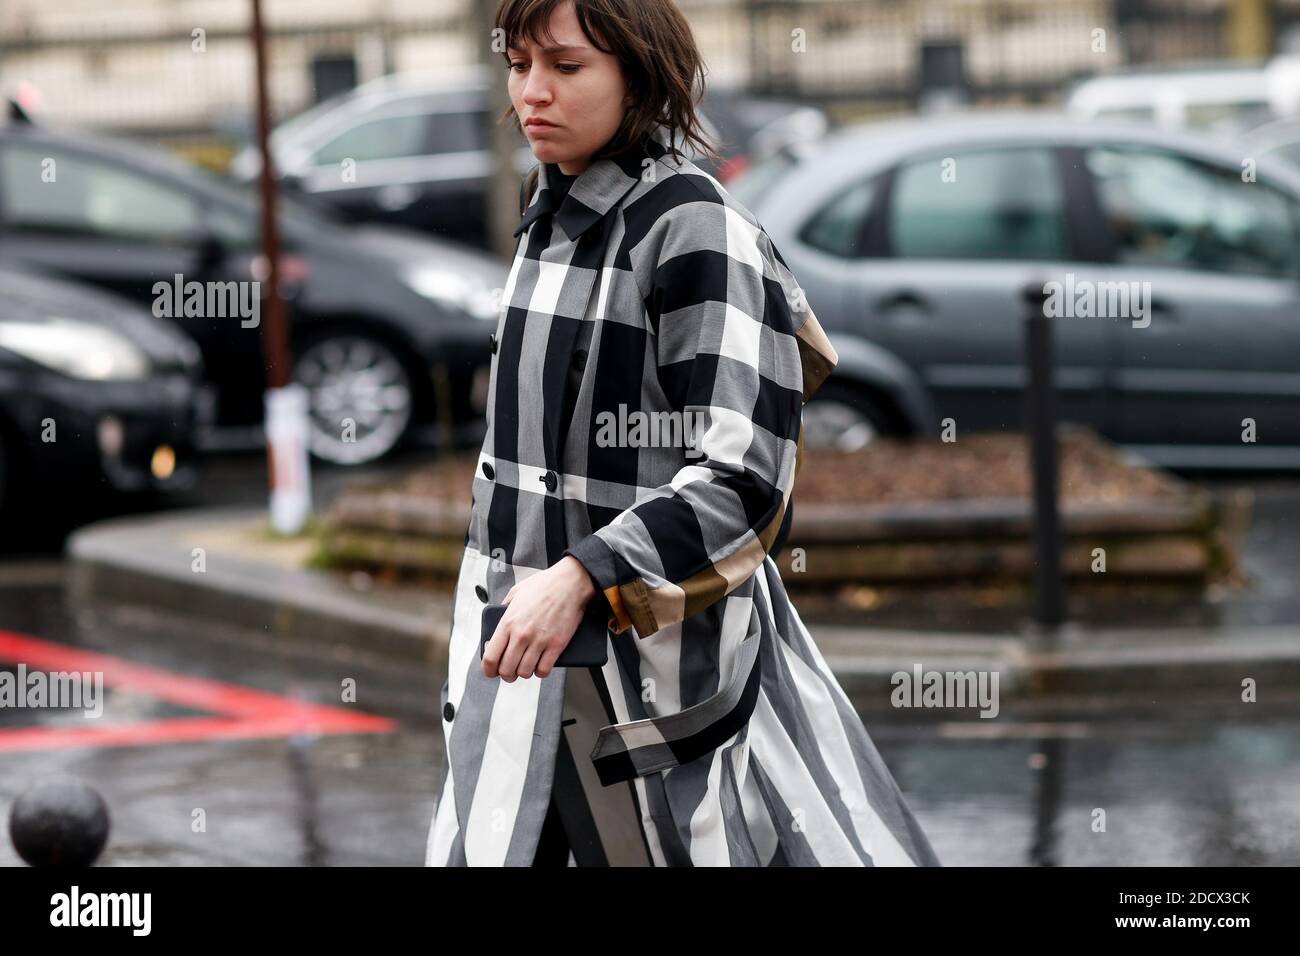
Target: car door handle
[[1157, 309], [903, 305], [1163, 309]]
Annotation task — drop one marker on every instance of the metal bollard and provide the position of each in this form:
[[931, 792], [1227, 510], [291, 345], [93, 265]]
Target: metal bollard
[[1040, 424]]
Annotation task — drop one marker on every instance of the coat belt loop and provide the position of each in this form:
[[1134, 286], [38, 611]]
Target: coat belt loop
[[634, 749]]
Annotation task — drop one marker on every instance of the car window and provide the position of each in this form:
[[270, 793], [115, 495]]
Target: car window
[[1287, 151], [297, 210], [457, 132], [1164, 209], [991, 203], [234, 230], [54, 191], [1140, 114], [1244, 114], [838, 226], [391, 137]]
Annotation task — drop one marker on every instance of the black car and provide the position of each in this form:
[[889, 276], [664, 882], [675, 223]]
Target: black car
[[390, 329], [93, 392], [409, 151]]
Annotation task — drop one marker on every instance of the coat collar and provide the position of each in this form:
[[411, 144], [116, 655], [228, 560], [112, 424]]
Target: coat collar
[[597, 189]]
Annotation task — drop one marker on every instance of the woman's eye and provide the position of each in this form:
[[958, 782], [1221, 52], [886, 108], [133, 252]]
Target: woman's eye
[[517, 63], [569, 67]]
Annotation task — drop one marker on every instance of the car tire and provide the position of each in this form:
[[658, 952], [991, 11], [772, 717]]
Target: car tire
[[361, 398], [843, 417]]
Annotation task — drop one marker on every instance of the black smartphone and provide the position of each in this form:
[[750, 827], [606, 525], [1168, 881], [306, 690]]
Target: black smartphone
[[590, 644]]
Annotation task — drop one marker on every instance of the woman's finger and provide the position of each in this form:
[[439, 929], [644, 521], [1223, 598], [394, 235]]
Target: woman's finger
[[528, 663], [509, 668], [547, 662], [496, 646]]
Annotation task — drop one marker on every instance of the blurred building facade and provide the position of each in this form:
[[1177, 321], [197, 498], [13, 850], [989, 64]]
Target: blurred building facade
[[168, 67]]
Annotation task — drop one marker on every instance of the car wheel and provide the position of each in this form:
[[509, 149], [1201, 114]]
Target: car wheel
[[843, 418], [360, 398]]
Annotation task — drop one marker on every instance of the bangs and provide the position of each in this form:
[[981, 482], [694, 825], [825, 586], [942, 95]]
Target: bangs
[[528, 20]]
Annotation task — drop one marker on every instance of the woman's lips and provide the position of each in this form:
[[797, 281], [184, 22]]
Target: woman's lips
[[539, 127]]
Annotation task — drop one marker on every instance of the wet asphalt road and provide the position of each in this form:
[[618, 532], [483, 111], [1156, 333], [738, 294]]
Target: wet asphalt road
[[1210, 784]]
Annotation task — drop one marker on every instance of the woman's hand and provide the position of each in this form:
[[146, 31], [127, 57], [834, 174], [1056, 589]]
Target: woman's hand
[[542, 614]]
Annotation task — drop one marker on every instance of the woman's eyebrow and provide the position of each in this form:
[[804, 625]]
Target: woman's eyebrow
[[552, 50]]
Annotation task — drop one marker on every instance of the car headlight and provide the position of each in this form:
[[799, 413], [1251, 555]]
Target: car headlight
[[75, 348], [456, 290]]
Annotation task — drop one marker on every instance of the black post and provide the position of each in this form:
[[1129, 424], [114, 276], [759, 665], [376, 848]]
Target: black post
[[1040, 422]]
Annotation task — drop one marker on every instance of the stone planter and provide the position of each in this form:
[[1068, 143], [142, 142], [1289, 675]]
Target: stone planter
[[1136, 522]]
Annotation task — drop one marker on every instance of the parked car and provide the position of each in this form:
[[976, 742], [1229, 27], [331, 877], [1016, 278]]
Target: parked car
[[419, 156], [915, 239], [93, 391], [1225, 97], [390, 329], [1280, 138]]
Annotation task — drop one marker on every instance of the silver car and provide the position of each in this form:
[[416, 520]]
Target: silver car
[[1172, 263], [1280, 138]]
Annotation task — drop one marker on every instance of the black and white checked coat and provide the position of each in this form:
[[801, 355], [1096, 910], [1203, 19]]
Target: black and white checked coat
[[650, 287]]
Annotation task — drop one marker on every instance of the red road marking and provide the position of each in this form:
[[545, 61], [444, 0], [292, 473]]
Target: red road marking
[[245, 713]]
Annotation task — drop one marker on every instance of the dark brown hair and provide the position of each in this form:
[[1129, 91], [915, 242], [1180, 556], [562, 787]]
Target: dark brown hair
[[656, 50]]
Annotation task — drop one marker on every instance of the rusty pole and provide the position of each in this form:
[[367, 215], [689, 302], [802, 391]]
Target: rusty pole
[[287, 464], [275, 335]]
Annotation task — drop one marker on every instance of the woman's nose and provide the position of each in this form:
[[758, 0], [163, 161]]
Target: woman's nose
[[536, 89]]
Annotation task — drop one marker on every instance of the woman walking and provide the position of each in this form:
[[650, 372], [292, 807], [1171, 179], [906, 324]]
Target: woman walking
[[649, 369]]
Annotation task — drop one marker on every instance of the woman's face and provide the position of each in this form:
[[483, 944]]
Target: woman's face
[[576, 89]]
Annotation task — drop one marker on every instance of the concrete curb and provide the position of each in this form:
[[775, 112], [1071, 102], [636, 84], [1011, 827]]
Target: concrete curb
[[149, 560]]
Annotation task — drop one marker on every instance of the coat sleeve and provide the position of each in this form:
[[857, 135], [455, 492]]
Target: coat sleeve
[[738, 351]]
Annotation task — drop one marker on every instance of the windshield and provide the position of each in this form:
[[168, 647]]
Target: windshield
[[296, 210], [755, 181], [1287, 151], [308, 213], [288, 128]]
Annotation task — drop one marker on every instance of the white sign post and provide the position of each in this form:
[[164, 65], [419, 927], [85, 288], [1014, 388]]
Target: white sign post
[[286, 448]]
